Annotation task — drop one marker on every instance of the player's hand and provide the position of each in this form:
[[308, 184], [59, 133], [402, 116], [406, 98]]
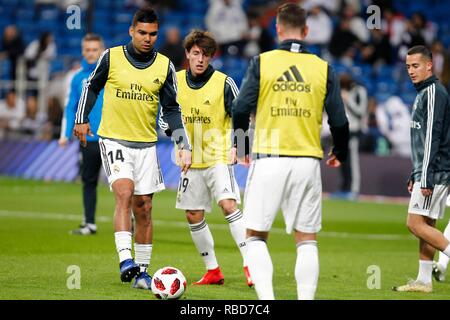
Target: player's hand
[[81, 130], [333, 162], [233, 155], [62, 142], [410, 186], [185, 160], [426, 192]]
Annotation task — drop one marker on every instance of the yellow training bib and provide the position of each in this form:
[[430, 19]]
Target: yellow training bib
[[290, 104], [207, 123], [130, 101]]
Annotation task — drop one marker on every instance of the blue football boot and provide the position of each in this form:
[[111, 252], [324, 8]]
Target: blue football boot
[[128, 270], [143, 281]]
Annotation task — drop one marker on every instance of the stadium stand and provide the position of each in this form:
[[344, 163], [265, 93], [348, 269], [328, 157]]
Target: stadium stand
[[111, 19]]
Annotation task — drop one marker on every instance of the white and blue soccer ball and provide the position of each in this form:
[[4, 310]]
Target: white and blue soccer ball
[[168, 283]]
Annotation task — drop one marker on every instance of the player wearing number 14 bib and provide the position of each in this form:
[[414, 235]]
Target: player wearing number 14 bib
[[206, 96], [135, 79]]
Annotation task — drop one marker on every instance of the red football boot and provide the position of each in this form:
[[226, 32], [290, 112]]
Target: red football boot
[[247, 276], [213, 276]]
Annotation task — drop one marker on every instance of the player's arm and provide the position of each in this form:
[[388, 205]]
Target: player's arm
[[95, 83], [68, 120], [337, 120], [171, 120], [436, 104], [231, 91], [244, 104]]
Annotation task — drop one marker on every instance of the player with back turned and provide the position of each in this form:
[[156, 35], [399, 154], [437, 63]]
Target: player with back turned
[[288, 88], [135, 79]]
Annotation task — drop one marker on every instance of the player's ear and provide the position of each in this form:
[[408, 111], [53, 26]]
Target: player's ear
[[305, 31], [187, 53], [131, 31], [430, 65]]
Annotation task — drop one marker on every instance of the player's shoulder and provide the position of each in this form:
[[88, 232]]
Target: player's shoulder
[[163, 58], [441, 90], [220, 75], [181, 73]]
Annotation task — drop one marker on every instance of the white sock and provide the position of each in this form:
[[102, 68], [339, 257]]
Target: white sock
[[237, 229], [307, 269], [143, 254], [260, 267], [123, 245], [204, 242], [425, 271], [443, 258]]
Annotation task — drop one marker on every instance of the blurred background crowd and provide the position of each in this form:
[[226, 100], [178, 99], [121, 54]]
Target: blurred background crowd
[[39, 53]]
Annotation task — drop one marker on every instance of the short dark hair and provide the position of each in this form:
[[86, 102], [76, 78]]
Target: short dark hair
[[291, 15], [424, 51], [145, 15], [203, 39], [93, 37]]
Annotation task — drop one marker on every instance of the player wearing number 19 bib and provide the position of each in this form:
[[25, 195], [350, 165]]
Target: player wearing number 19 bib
[[135, 79], [206, 96]]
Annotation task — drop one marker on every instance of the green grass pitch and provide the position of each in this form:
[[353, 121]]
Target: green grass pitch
[[36, 249]]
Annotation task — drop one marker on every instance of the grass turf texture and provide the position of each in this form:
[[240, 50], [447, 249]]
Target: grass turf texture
[[36, 249]]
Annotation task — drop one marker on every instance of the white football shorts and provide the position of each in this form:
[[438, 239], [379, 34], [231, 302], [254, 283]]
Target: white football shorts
[[432, 206], [139, 165], [198, 186], [291, 183]]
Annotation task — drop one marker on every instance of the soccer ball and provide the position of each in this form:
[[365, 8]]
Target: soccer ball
[[168, 283]]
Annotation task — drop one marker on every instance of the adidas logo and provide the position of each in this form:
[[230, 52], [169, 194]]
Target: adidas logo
[[225, 190], [416, 206], [291, 80], [207, 103], [156, 81]]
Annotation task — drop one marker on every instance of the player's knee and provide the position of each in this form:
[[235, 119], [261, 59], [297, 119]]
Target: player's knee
[[194, 216], [124, 194], [228, 206], [413, 226]]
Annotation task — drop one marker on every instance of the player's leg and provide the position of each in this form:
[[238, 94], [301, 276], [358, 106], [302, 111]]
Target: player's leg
[[148, 180], [440, 267], [204, 242], [302, 211], [236, 223], [307, 265], [143, 237], [90, 166], [260, 264], [423, 212], [194, 198], [118, 166], [263, 194], [418, 225], [221, 180], [123, 192], [421, 228]]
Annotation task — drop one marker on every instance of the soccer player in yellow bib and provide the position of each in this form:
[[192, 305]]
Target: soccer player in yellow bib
[[206, 97], [288, 88], [135, 79]]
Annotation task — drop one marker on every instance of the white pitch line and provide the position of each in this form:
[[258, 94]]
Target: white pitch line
[[179, 224]]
